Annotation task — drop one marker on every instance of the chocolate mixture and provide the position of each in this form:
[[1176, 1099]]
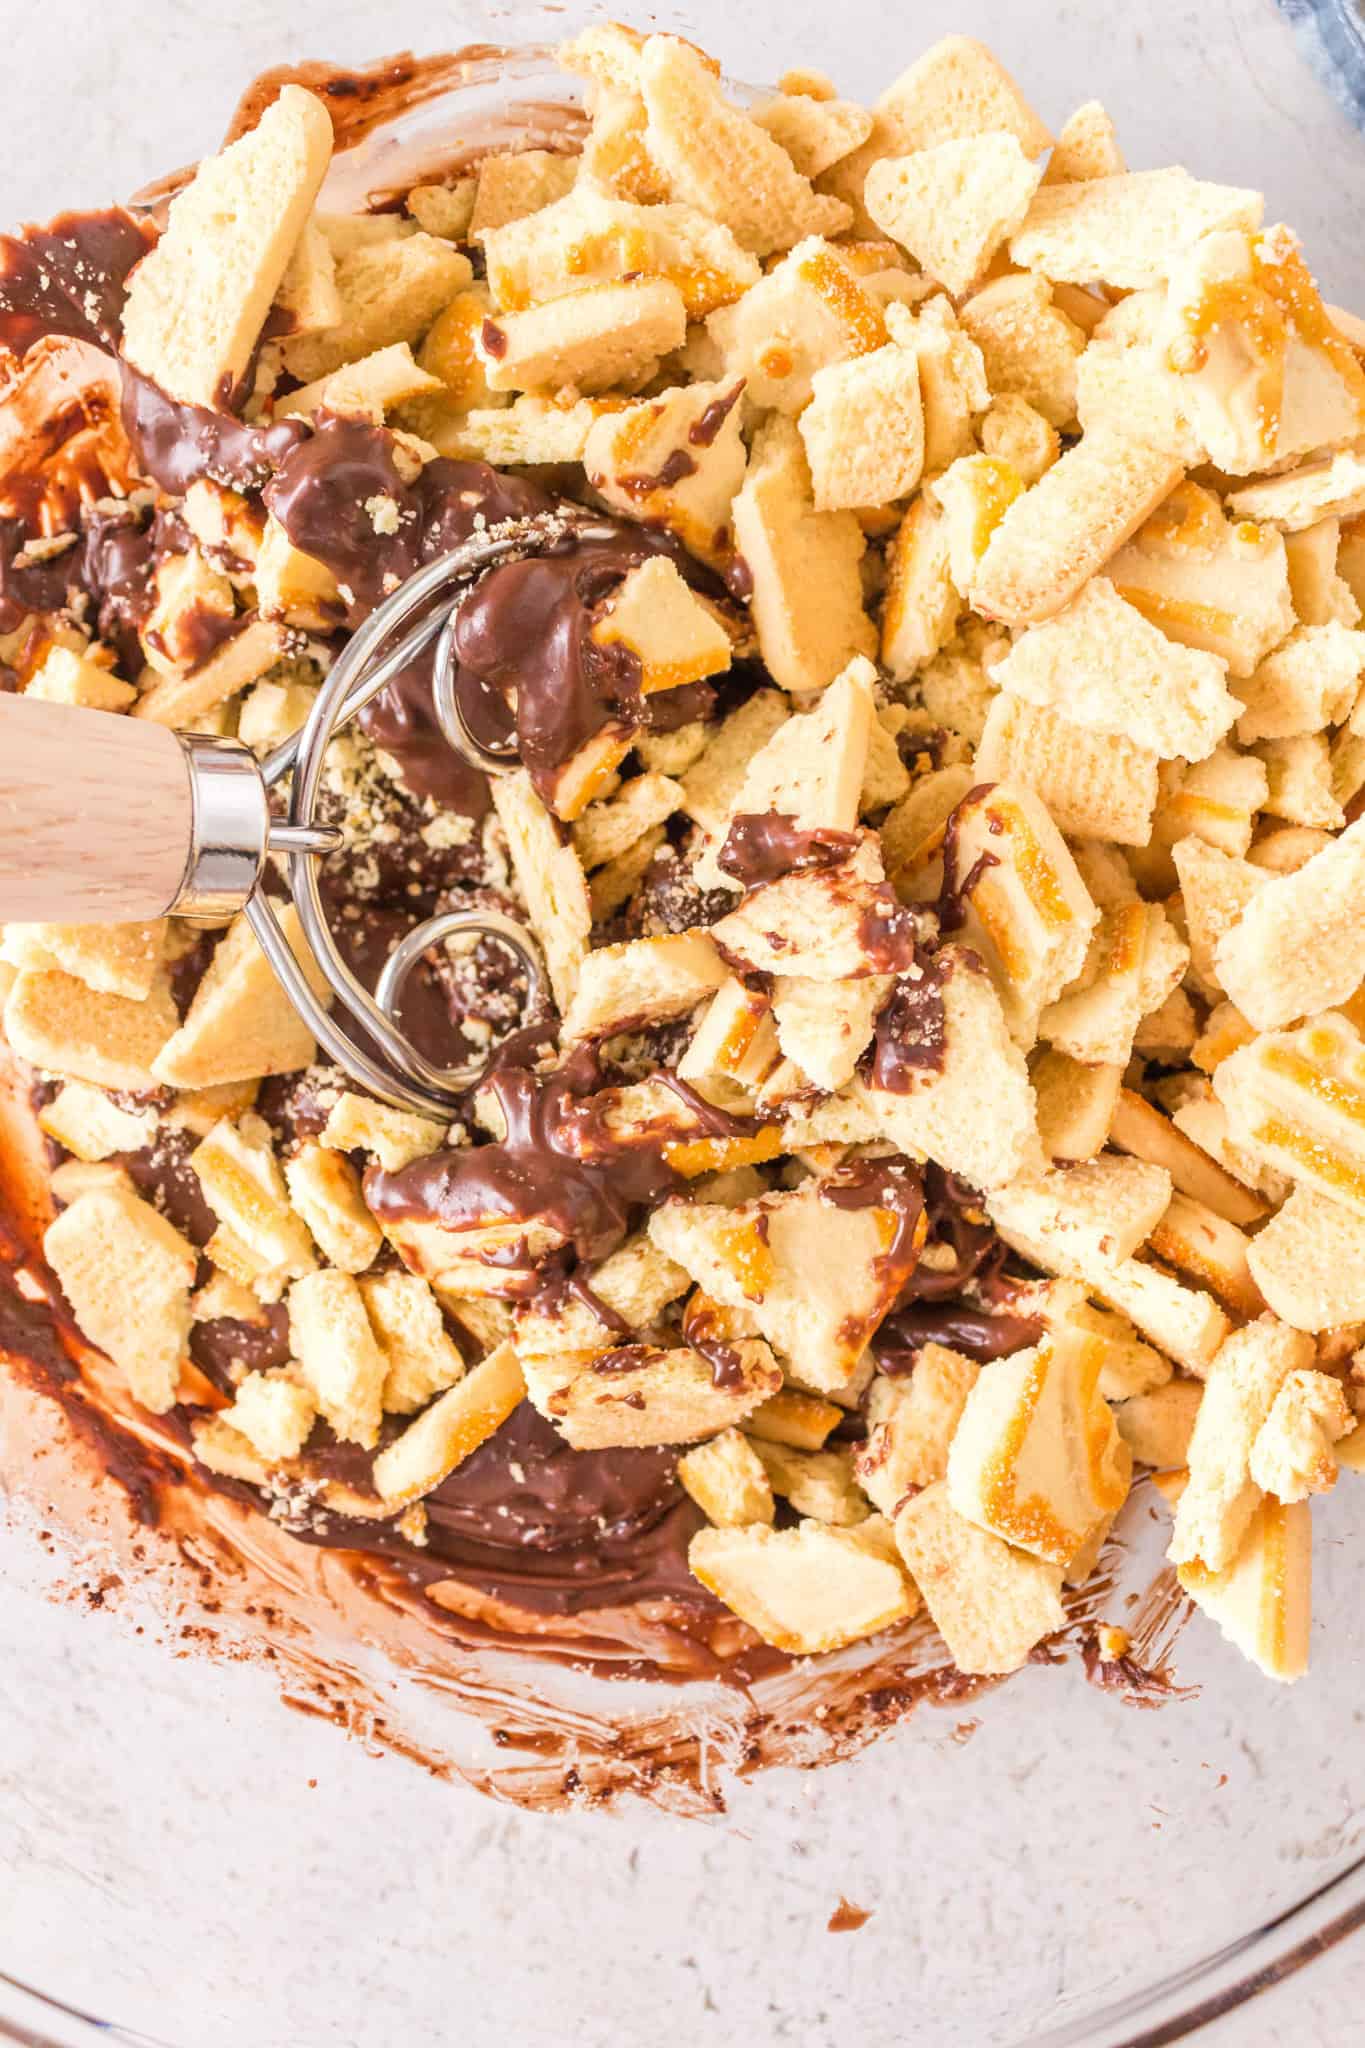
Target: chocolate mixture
[[69, 278], [558, 1161], [965, 1304], [177, 444], [528, 627], [530, 1521], [762, 847], [524, 1518]]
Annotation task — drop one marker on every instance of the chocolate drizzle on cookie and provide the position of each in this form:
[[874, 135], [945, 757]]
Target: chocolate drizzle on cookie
[[342, 497], [963, 1298], [956, 890], [559, 1164], [177, 444], [763, 846], [895, 1186], [910, 1037]]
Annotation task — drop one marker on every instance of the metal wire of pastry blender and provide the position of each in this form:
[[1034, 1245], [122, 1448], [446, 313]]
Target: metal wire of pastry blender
[[403, 1077]]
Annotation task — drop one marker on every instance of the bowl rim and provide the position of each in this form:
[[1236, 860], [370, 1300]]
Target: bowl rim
[[1171, 2009]]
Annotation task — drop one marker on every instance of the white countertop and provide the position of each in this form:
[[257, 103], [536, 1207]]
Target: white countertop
[[102, 98]]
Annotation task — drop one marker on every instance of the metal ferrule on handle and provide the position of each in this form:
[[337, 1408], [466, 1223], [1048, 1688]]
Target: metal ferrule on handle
[[232, 831]]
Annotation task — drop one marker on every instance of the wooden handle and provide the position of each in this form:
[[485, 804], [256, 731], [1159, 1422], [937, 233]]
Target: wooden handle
[[95, 815]]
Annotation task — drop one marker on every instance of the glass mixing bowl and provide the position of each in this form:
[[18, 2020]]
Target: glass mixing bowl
[[192, 1851]]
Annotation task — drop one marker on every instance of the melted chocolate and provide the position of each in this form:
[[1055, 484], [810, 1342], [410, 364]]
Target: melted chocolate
[[963, 1302], [705, 428], [29, 1331], [578, 1284], [668, 899], [359, 101], [106, 574], [674, 467], [979, 1333], [956, 890], [761, 847], [39, 587], [435, 1000], [726, 1363], [558, 1162], [558, 1530], [911, 1029], [177, 444], [68, 278], [188, 969], [402, 720], [163, 1176], [292, 1106], [622, 1358], [524, 631], [890, 1184], [527, 628], [117, 561], [890, 933], [530, 1520], [324, 486], [224, 1343], [666, 710], [958, 1220], [71, 279], [201, 631]]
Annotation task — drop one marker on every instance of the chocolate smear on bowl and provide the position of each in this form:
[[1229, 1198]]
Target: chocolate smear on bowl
[[366, 97], [69, 278]]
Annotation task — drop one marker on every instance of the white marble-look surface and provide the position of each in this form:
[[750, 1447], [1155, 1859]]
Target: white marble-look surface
[[307, 1861]]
